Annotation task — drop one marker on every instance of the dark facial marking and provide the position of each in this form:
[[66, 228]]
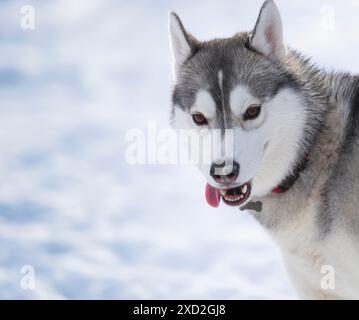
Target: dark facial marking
[[239, 66]]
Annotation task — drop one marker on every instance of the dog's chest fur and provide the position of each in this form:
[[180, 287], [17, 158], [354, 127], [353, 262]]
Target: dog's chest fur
[[301, 221]]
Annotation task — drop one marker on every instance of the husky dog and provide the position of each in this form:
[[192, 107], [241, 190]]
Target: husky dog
[[295, 159]]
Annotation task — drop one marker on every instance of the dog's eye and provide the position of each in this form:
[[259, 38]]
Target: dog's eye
[[199, 119], [252, 112]]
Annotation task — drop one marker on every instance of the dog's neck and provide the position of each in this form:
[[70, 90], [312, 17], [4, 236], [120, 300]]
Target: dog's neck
[[292, 177]]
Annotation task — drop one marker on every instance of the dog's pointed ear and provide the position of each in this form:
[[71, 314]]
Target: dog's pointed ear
[[182, 43], [267, 37]]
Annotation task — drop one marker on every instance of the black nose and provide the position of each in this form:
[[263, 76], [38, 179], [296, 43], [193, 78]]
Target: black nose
[[225, 172]]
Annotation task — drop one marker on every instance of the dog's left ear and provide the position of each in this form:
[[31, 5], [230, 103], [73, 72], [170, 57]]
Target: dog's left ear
[[267, 37], [183, 44]]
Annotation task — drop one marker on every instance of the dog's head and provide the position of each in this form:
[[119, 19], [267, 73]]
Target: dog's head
[[241, 88]]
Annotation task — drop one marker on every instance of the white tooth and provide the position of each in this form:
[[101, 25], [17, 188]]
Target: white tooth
[[244, 189], [223, 192], [233, 199]]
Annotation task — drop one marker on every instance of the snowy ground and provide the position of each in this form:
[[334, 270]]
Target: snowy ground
[[91, 225]]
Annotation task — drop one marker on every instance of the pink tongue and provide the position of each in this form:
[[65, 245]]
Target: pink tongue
[[213, 196]]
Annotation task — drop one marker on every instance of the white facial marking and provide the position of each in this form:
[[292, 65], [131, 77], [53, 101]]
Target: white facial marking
[[267, 152], [285, 122], [240, 99], [180, 119], [220, 81], [205, 104]]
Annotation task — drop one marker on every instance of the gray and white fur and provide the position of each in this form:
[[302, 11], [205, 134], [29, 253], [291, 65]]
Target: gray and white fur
[[307, 132]]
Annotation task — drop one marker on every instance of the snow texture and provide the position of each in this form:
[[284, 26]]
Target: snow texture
[[91, 225]]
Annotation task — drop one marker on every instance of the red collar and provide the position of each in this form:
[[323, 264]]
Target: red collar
[[288, 182], [278, 189]]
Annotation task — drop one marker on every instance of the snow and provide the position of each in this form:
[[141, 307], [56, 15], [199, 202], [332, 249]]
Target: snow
[[91, 225]]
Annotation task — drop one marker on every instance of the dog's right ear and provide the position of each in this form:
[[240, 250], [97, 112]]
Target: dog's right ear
[[182, 43], [267, 37]]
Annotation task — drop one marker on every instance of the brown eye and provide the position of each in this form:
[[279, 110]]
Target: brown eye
[[252, 112], [199, 119]]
